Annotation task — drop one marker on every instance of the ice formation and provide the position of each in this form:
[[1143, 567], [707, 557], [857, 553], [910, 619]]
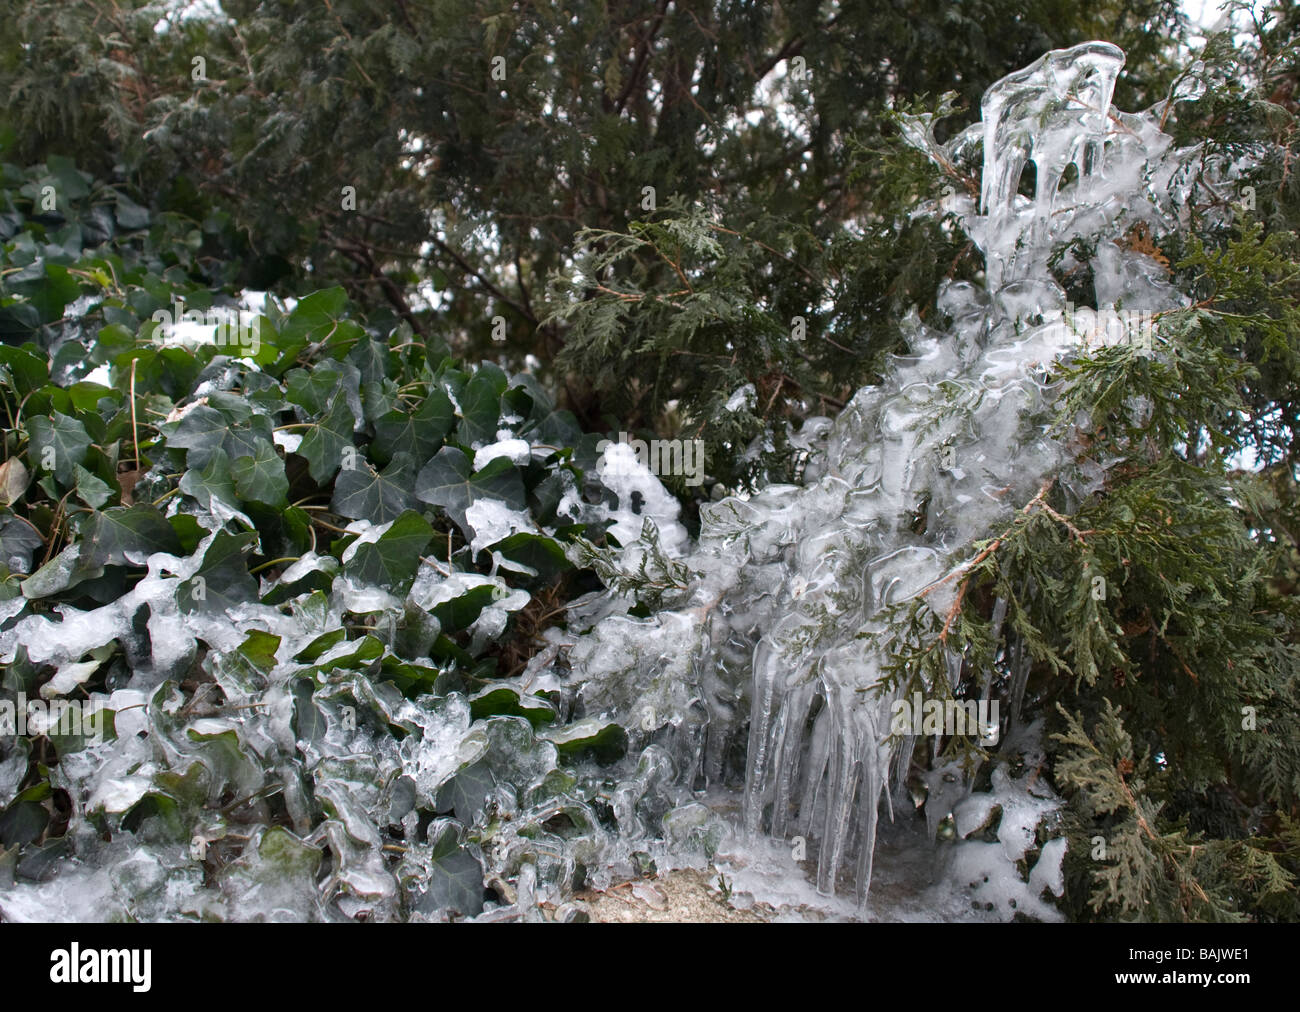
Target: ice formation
[[782, 633]]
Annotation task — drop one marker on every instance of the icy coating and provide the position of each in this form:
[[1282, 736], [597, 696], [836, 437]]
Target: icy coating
[[760, 667], [788, 617]]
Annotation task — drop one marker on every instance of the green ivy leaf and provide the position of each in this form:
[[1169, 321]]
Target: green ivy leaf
[[223, 580], [261, 477], [506, 700], [18, 540], [446, 481], [91, 490], [326, 442], [211, 482], [465, 792], [393, 560], [60, 441], [419, 433], [308, 721], [108, 536], [362, 494], [481, 404], [455, 880]]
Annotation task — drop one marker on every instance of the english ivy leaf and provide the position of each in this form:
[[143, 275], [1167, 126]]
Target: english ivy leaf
[[67, 569], [18, 540], [499, 700], [327, 441], [52, 296], [260, 477], [372, 358], [14, 479], [455, 880], [246, 440], [259, 648], [316, 389], [201, 433], [536, 551], [447, 481], [362, 494], [86, 396], [606, 741], [223, 580], [392, 561], [108, 536], [29, 372], [460, 612], [465, 793], [481, 404], [90, 489], [59, 444], [309, 722], [188, 531], [235, 407], [558, 428], [319, 645], [419, 433], [23, 822], [213, 481], [314, 316]]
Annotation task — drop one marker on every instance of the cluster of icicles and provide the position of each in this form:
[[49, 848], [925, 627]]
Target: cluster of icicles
[[781, 635]]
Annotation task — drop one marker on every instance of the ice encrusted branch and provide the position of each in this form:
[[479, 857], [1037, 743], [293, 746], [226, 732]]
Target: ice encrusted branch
[[793, 656]]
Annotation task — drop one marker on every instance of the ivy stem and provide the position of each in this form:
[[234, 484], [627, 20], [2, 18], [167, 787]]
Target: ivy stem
[[166, 495], [135, 426], [273, 562]]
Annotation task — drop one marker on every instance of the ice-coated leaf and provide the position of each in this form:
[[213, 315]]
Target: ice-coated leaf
[[606, 739], [309, 723], [506, 700], [461, 611], [67, 569], [536, 551], [223, 580], [455, 880], [392, 561], [465, 793], [259, 648], [139, 530], [447, 481]]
